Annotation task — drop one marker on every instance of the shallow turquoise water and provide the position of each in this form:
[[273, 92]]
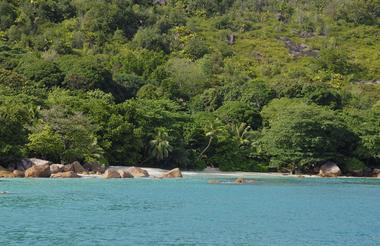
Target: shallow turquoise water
[[273, 211]]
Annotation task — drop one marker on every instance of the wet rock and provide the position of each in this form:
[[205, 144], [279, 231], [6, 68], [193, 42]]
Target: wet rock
[[69, 174], [138, 172], [38, 171], [19, 173], [239, 181], [330, 169], [174, 173], [124, 174], [111, 174], [6, 174], [244, 181]]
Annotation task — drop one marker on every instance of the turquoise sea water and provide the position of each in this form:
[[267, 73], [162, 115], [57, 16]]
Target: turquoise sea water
[[273, 211]]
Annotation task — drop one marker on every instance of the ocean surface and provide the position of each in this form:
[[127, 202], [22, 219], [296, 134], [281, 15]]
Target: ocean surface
[[189, 211]]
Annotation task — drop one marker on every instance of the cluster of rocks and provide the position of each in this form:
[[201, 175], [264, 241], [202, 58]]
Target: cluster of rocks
[[136, 172], [37, 168]]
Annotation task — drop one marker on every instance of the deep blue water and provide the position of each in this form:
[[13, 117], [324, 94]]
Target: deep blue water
[[273, 211]]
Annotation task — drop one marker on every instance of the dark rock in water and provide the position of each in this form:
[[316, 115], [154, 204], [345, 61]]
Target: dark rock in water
[[239, 181], [40, 171], [330, 169], [244, 181]]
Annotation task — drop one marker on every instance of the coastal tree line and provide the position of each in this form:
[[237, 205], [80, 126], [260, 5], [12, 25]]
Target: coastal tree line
[[240, 85]]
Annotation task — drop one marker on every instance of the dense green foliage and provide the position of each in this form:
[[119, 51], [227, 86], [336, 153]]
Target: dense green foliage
[[238, 84]]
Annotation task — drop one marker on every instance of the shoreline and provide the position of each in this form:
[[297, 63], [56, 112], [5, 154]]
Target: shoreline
[[215, 173]]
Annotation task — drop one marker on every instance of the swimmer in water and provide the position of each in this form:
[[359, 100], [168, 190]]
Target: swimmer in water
[[3, 192]]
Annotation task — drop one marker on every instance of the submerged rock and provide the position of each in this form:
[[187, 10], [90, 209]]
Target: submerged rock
[[174, 173], [244, 181], [40, 171], [330, 169], [69, 174], [56, 168], [214, 182], [239, 181], [138, 172]]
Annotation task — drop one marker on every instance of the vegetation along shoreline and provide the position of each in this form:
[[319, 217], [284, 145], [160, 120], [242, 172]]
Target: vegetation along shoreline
[[253, 86]]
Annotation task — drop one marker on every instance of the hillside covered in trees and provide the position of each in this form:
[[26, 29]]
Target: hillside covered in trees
[[252, 85]]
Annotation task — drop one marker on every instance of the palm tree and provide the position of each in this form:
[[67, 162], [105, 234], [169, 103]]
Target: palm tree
[[242, 132], [211, 133], [160, 146]]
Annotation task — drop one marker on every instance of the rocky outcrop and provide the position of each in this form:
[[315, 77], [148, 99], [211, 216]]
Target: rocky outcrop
[[138, 172], [124, 174], [375, 173], [38, 171], [28, 163], [75, 167], [330, 169], [56, 168], [111, 174], [19, 173], [4, 173], [69, 174], [174, 173], [94, 167]]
